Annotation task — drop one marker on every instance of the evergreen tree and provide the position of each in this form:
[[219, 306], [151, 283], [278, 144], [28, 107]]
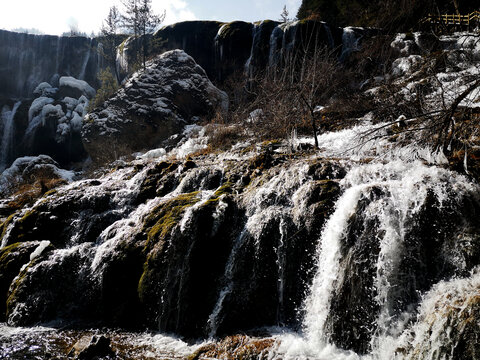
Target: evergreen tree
[[284, 15], [148, 22], [139, 20], [111, 40]]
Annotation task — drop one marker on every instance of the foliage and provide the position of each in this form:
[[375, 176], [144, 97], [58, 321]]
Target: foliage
[[284, 16], [108, 87], [111, 40], [25, 191], [140, 21]]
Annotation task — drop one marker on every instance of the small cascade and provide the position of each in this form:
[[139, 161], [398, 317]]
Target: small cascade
[[276, 40], [218, 46], [58, 55], [281, 263], [214, 318], [8, 134], [256, 35], [289, 39], [86, 59], [318, 303], [282, 42], [397, 194], [349, 42]]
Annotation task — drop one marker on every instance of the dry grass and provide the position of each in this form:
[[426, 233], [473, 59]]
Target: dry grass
[[26, 191]]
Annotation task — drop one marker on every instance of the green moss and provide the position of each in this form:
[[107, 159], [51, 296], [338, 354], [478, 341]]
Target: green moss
[[165, 216], [121, 47], [50, 192], [226, 188], [15, 288], [234, 28], [6, 251], [4, 226]]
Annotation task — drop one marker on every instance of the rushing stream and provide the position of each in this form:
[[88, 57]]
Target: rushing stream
[[371, 255]]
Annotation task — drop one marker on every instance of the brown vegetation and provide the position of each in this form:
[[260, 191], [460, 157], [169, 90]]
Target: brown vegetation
[[26, 191], [238, 347]]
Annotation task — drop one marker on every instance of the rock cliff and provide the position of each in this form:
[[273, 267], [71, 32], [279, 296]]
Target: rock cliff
[[27, 60]]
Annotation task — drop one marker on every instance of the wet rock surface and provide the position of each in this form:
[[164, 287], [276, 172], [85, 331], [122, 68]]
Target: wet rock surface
[[167, 266]]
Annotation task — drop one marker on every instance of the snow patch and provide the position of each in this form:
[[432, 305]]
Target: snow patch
[[81, 85]]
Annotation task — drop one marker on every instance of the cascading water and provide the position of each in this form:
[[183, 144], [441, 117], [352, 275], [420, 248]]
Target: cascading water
[[349, 42], [8, 134], [83, 69], [375, 239], [204, 256], [28, 60]]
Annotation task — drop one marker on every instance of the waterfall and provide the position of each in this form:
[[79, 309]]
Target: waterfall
[[256, 33], [391, 195], [8, 134], [328, 267], [28, 60], [213, 320], [86, 59], [349, 42]]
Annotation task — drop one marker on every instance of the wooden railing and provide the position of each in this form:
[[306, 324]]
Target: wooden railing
[[455, 20]]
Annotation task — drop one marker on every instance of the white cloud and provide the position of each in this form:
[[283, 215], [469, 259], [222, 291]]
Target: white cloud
[[177, 10]]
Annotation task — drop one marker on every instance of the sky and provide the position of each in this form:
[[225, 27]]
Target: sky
[[57, 16]]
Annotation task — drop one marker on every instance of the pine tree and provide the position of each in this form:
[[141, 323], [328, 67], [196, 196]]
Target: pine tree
[[109, 31], [284, 15], [148, 22], [140, 21]]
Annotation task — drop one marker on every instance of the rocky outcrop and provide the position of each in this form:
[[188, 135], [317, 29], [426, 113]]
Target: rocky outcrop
[[91, 348], [224, 49], [12, 258], [195, 257], [222, 244], [153, 105]]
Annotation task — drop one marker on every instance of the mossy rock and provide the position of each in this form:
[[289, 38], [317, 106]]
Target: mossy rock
[[4, 226], [157, 181], [235, 29], [12, 258], [185, 261], [165, 216], [326, 170]]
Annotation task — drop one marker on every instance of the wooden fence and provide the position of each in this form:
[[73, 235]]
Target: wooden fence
[[454, 21]]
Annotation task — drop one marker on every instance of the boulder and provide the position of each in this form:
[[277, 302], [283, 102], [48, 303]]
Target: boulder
[[154, 104], [96, 347], [12, 258]]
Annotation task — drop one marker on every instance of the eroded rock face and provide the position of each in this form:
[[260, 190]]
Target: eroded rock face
[[187, 247], [225, 49], [154, 104]]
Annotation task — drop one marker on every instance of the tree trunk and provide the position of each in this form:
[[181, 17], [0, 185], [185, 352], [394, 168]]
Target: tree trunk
[[314, 128], [455, 3]]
